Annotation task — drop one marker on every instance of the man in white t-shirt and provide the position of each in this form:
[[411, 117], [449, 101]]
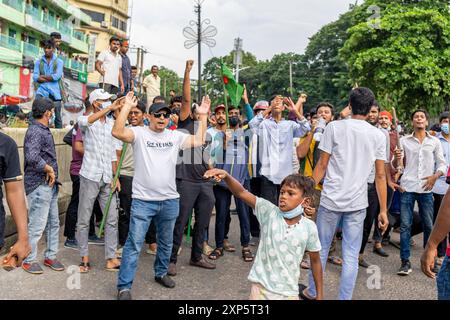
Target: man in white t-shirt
[[349, 150], [109, 65], [155, 151]]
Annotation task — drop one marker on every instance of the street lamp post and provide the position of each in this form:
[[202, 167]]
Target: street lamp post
[[197, 37]]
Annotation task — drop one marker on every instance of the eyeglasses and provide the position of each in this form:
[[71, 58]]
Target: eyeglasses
[[135, 113], [159, 114]]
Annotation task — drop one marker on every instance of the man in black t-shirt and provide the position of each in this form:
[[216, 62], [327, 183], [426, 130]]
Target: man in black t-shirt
[[11, 175], [194, 190]]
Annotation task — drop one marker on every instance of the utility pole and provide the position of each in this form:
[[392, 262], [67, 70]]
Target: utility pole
[[198, 9], [237, 56], [290, 79]]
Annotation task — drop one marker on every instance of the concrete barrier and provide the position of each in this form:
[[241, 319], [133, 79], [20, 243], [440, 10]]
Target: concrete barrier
[[64, 156]]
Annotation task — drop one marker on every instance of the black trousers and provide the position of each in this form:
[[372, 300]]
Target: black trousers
[[201, 196], [126, 183], [373, 210], [150, 236], [70, 223], [442, 247], [270, 191], [255, 188]]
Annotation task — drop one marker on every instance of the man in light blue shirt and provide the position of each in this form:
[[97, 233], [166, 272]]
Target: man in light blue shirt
[[277, 136], [48, 71], [440, 188]]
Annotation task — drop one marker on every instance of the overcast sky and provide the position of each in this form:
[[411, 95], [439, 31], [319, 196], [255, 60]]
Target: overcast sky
[[267, 27]]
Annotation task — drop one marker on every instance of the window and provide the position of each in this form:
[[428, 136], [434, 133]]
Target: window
[[123, 26], [115, 22], [96, 16]]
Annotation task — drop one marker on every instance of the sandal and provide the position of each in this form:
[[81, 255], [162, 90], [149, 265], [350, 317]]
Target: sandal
[[301, 292], [113, 269], [228, 247], [247, 255], [216, 254], [304, 265], [84, 267], [335, 260]]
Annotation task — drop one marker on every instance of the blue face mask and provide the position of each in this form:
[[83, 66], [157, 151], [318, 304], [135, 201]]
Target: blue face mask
[[146, 122], [445, 128], [294, 213]]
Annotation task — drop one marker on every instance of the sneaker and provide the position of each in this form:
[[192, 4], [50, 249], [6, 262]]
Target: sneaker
[[165, 281], [124, 294], [71, 244], [33, 268], [203, 264], [94, 240], [405, 269], [54, 265], [172, 271]]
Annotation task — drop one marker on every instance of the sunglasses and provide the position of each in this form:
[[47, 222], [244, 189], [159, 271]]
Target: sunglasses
[[159, 114]]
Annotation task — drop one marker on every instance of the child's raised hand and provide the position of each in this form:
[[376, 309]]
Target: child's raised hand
[[216, 174]]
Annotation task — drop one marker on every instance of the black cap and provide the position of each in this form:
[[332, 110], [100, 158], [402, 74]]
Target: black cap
[[156, 107]]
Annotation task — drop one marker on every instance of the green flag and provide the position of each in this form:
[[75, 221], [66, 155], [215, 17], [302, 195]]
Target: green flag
[[235, 90]]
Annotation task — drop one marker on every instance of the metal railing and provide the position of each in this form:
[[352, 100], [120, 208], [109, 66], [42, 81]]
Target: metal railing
[[9, 43], [16, 4], [31, 50]]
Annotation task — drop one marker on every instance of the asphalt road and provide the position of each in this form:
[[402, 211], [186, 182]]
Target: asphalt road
[[227, 282]]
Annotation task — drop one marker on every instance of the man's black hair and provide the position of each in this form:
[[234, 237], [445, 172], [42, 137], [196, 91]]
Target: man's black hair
[[154, 66], [420, 110], [141, 106], [113, 38], [40, 106], [49, 43], [376, 105], [231, 108], [436, 128], [176, 99], [273, 97], [324, 104], [55, 35], [161, 98], [22, 116], [134, 68], [444, 115], [361, 101]]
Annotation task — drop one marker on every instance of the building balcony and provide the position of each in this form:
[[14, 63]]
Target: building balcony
[[10, 43], [30, 50], [13, 11]]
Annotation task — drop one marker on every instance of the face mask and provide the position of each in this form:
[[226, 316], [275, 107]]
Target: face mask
[[146, 122], [294, 212], [105, 105], [445, 128], [234, 121]]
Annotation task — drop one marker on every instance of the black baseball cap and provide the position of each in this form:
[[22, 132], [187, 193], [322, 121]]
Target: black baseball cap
[[157, 107]]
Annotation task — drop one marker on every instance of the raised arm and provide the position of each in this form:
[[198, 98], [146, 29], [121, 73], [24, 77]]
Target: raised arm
[[235, 187], [186, 103], [247, 107], [119, 131], [199, 138]]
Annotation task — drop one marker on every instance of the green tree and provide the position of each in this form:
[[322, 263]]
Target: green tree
[[406, 59]]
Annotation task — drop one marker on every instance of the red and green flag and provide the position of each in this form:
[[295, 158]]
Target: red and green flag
[[234, 89]]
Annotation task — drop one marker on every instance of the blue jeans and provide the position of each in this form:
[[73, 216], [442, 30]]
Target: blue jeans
[[165, 214], [426, 209], [352, 232], [443, 280], [43, 216]]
